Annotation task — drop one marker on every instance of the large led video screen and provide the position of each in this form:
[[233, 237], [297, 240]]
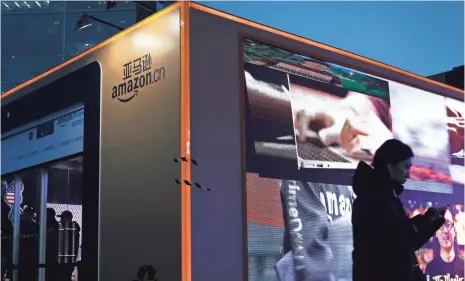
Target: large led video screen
[[306, 114], [306, 118]]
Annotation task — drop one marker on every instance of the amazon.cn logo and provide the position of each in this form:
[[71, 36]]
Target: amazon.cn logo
[[137, 74], [146, 273]]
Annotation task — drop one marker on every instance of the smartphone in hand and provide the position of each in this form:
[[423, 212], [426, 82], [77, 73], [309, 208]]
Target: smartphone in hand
[[443, 210]]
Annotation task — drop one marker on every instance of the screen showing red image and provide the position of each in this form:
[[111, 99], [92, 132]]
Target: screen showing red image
[[425, 129]]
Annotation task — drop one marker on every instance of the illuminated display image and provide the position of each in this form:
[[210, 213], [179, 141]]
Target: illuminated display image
[[339, 116], [336, 128], [447, 241], [424, 128], [304, 116], [456, 127]]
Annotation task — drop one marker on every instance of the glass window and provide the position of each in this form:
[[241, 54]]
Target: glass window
[[32, 44], [85, 6], [65, 182], [21, 7], [77, 41]]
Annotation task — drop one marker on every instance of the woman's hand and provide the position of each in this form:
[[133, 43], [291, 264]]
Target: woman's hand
[[436, 215]]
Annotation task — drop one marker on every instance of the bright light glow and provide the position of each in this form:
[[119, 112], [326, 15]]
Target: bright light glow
[[145, 40]]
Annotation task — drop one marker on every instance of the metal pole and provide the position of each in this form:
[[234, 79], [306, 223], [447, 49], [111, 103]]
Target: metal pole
[[43, 222], [16, 226]]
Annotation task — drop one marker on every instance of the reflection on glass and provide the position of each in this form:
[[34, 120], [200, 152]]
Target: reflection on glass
[[35, 48], [30, 48]]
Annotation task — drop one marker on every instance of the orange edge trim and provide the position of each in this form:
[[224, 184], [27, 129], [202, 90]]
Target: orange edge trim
[[317, 44], [185, 139], [93, 49]]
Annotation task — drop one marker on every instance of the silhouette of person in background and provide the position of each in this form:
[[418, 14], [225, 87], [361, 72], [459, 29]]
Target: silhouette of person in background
[[51, 272], [7, 242], [385, 238], [28, 246]]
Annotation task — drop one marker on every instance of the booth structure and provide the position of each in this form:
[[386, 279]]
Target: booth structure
[[162, 147]]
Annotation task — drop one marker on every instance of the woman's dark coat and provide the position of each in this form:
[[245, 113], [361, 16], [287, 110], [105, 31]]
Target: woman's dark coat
[[385, 238]]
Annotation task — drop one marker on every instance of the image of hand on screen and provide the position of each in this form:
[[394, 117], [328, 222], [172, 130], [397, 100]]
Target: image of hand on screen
[[383, 233], [446, 264], [356, 122], [339, 115], [350, 124], [317, 241]]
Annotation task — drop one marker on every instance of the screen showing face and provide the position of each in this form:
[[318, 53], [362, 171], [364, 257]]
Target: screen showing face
[[456, 125], [304, 114], [441, 257]]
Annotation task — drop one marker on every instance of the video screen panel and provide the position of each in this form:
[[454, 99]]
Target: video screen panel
[[318, 115], [304, 116], [337, 115], [303, 231]]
